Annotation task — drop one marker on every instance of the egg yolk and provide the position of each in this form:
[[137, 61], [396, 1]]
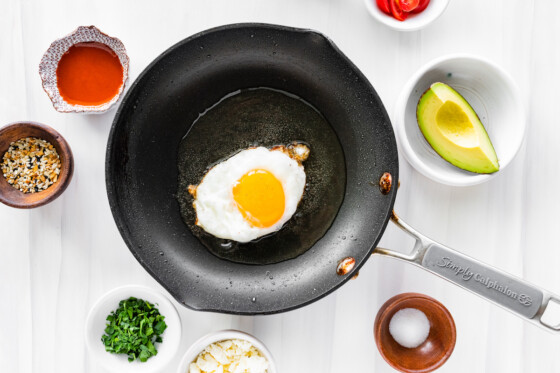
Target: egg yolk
[[260, 198]]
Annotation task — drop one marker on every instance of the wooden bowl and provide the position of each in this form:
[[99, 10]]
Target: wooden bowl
[[14, 197], [431, 354]]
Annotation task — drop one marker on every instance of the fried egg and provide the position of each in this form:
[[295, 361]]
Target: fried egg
[[251, 194]]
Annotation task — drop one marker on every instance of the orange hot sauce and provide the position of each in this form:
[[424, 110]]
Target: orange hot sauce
[[89, 74]]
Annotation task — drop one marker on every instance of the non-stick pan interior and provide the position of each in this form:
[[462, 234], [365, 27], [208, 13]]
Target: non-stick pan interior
[[142, 170], [264, 117]]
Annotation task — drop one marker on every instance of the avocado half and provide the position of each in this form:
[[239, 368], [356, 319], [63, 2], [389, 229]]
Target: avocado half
[[452, 128]]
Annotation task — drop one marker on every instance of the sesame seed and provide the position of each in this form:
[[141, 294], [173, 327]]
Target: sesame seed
[[29, 162]]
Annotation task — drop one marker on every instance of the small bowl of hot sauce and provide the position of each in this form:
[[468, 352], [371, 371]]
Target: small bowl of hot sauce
[[85, 71]]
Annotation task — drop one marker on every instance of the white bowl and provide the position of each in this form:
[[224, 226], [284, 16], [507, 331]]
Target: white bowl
[[414, 21], [51, 58], [96, 322], [493, 95], [197, 347]]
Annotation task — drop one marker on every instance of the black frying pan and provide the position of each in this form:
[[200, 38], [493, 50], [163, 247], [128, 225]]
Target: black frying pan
[[322, 246]]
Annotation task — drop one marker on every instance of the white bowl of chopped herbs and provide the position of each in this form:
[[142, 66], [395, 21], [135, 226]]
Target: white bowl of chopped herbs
[[133, 329]]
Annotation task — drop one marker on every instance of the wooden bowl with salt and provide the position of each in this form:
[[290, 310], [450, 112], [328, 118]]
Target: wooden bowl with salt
[[13, 197], [433, 352]]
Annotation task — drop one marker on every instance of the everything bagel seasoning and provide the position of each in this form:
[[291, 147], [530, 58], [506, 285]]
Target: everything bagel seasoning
[[31, 165]]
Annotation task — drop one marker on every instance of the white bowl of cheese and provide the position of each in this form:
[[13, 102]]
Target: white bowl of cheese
[[227, 351]]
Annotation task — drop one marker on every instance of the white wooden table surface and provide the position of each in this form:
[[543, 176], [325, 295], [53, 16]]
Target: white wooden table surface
[[55, 261]]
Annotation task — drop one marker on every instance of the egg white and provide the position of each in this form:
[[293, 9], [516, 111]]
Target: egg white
[[216, 210]]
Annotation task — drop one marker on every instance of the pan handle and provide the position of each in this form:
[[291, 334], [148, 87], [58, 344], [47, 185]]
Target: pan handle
[[514, 294]]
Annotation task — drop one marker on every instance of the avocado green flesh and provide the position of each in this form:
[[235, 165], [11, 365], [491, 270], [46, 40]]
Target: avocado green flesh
[[454, 131]]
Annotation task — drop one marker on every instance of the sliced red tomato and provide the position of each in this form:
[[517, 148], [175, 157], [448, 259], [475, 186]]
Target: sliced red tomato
[[408, 5], [397, 11], [384, 6], [421, 6]]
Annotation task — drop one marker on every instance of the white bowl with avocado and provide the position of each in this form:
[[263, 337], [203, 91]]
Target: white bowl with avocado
[[460, 120]]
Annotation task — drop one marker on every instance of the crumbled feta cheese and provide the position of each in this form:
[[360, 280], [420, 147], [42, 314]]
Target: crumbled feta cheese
[[194, 368], [218, 353], [230, 356], [207, 363]]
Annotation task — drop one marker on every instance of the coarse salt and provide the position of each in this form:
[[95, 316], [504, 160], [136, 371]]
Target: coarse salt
[[409, 327]]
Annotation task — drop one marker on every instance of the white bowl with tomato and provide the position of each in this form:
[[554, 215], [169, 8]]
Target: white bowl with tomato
[[406, 15]]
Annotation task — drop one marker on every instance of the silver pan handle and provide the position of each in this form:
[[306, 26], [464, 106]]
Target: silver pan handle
[[514, 294]]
